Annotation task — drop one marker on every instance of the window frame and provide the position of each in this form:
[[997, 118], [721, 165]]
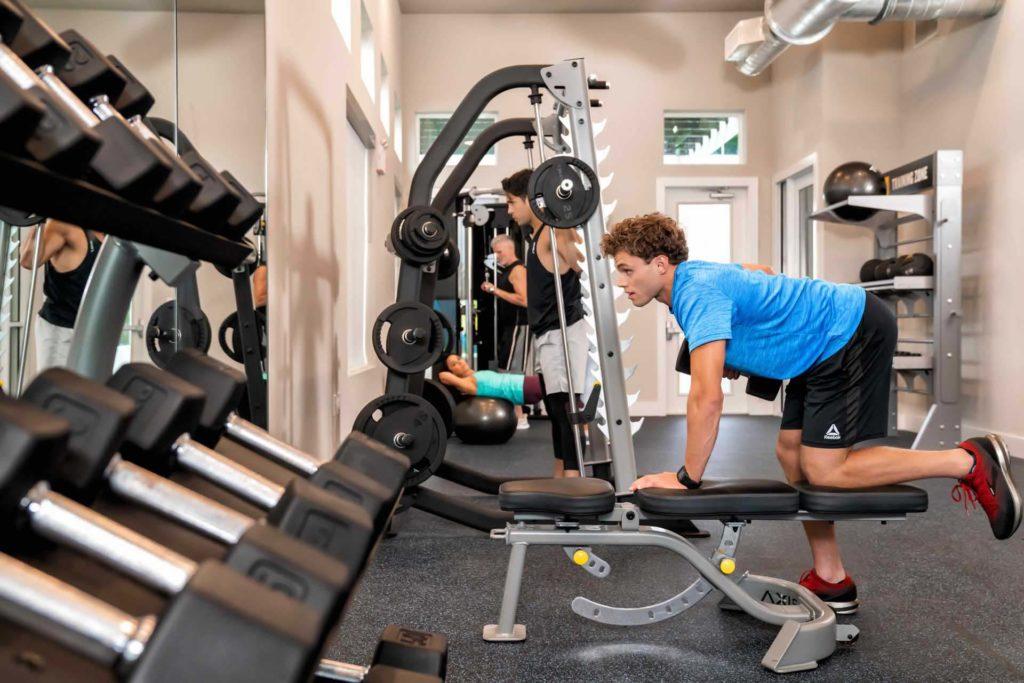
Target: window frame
[[738, 159]]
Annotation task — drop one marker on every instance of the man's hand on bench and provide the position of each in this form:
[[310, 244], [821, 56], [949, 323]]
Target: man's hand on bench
[[661, 480]]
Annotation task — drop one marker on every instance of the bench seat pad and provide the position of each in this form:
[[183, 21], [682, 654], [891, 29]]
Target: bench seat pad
[[726, 498], [568, 497], [895, 499]]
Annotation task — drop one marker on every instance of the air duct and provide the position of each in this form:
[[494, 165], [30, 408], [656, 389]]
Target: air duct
[[754, 43]]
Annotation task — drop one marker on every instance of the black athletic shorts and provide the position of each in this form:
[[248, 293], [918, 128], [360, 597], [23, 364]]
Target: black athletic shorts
[[844, 399]]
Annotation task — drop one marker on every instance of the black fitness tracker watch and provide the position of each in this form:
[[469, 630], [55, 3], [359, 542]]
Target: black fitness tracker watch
[[685, 480]]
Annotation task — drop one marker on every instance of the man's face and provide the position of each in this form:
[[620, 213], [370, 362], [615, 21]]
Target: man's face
[[519, 210], [640, 280], [504, 252]]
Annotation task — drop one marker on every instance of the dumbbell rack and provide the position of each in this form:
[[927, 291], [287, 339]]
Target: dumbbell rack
[[929, 189]]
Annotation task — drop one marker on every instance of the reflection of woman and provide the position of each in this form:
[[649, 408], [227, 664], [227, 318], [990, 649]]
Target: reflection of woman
[[517, 389], [68, 253]]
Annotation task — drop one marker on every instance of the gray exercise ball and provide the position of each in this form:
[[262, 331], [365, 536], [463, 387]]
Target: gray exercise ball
[[483, 420]]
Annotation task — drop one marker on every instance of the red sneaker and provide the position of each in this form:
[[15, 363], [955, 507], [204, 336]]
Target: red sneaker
[[841, 596], [990, 485]]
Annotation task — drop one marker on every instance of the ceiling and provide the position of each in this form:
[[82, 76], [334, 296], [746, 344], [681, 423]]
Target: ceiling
[[570, 6], [226, 6]]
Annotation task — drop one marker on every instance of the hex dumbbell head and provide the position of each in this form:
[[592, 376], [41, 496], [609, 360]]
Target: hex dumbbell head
[[224, 387], [266, 635], [411, 650], [10, 20], [20, 114], [31, 441], [336, 527], [87, 72], [369, 456], [135, 99], [216, 202], [247, 212], [167, 408], [35, 42], [99, 418], [350, 484]]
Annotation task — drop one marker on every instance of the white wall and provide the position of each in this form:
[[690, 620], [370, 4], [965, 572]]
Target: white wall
[[654, 63], [312, 82]]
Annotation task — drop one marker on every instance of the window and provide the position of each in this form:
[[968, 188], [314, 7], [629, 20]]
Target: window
[[398, 139], [429, 127], [704, 138], [358, 200], [709, 235], [367, 53], [385, 98], [341, 11]]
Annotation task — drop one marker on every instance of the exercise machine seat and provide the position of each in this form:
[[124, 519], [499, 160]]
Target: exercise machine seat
[[569, 497], [895, 499], [725, 498]]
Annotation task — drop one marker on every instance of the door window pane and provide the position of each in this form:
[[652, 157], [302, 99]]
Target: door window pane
[[358, 157]]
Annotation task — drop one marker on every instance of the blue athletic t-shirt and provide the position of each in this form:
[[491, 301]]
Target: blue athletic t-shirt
[[776, 326]]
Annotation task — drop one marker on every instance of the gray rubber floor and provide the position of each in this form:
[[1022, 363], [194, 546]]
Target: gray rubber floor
[[941, 599]]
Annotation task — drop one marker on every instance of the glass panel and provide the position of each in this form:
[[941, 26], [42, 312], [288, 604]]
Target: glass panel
[[385, 98], [806, 231], [703, 138], [708, 229], [430, 126], [341, 10], [358, 160], [367, 56]]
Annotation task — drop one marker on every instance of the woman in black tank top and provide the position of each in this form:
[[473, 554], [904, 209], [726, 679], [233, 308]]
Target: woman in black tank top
[[63, 291]]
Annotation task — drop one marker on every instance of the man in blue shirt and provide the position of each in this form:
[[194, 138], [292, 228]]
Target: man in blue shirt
[[835, 343]]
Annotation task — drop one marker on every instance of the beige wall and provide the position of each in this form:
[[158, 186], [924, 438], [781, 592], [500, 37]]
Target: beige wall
[[654, 62], [961, 90], [313, 396]]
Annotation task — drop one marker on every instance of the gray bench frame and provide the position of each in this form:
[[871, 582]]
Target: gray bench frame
[[808, 629]]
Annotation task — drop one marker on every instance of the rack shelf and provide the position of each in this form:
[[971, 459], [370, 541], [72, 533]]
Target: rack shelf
[[901, 283], [915, 207], [30, 186]]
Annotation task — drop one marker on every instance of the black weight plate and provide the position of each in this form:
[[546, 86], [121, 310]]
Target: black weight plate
[[449, 335], [546, 185], [388, 419], [448, 263], [230, 339], [160, 333], [412, 356], [438, 396], [410, 243]]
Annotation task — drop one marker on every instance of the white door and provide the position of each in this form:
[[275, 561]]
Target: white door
[[796, 194], [716, 226]]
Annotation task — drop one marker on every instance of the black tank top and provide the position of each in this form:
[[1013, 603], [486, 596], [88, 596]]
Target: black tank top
[[64, 291], [508, 314], [541, 302]]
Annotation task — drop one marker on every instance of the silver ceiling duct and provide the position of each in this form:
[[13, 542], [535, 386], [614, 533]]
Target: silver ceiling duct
[[754, 43]]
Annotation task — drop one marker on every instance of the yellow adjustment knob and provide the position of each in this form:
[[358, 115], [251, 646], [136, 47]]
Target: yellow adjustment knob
[[727, 565], [581, 557]]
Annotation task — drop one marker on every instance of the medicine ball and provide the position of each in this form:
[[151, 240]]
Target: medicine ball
[[483, 420], [849, 179]]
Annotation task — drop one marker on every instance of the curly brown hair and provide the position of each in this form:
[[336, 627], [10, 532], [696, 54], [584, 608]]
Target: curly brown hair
[[647, 236]]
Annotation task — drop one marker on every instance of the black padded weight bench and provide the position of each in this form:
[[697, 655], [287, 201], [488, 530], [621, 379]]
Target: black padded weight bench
[[577, 514]]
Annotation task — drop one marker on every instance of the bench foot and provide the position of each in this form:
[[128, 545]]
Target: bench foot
[[493, 634]]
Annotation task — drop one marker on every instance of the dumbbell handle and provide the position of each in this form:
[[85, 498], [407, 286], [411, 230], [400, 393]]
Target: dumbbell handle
[[226, 473], [252, 436], [64, 521], [208, 517], [23, 75], [76, 619]]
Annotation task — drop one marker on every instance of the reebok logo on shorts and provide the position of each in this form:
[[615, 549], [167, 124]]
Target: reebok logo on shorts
[[833, 433]]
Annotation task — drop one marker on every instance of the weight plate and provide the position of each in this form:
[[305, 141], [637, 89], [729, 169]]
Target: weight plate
[[410, 425], [563, 192], [414, 339], [230, 339], [449, 339], [440, 397], [448, 263], [161, 334], [419, 235]]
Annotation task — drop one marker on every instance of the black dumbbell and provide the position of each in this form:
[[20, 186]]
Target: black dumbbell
[[382, 475], [247, 212], [169, 410], [100, 417], [409, 649], [917, 264], [867, 271], [219, 629], [20, 114], [62, 140]]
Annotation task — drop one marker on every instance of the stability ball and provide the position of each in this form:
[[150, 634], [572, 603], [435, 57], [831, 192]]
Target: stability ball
[[853, 178], [483, 420]]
